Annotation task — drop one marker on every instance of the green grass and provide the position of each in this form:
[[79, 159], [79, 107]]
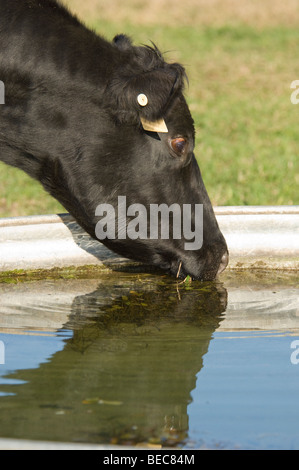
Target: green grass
[[21, 195], [247, 130]]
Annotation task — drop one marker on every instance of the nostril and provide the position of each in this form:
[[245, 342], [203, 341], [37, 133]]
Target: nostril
[[223, 263]]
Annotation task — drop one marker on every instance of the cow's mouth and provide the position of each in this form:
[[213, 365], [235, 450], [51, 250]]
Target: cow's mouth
[[206, 271]]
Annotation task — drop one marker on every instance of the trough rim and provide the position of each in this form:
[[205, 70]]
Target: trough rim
[[264, 238], [219, 210]]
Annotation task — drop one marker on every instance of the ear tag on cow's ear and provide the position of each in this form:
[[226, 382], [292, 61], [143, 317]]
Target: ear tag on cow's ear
[[154, 126], [142, 99]]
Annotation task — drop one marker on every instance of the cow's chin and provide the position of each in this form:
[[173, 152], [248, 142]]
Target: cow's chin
[[178, 270], [181, 269], [202, 266]]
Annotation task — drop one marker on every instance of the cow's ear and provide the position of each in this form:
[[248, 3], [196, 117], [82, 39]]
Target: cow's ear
[[159, 85]]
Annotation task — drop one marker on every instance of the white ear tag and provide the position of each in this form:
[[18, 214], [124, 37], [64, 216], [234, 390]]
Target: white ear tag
[[154, 126], [142, 99]]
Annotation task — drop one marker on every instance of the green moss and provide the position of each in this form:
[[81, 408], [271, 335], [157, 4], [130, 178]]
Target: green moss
[[71, 272]]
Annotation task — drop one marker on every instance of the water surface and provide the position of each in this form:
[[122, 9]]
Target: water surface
[[138, 358]]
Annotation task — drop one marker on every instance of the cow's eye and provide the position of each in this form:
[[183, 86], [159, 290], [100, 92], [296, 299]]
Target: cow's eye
[[178, 145]]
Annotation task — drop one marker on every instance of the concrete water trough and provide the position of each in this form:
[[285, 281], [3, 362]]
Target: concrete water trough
[[258, 237], [243, 326]]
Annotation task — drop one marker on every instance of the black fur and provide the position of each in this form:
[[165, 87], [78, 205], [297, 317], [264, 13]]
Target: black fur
[[72, 121]]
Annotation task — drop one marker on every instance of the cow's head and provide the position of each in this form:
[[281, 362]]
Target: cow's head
[[127, 134], [147, 158]]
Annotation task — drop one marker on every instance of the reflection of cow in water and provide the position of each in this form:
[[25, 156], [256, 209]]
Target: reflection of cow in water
[[78, 117], [127, 373]]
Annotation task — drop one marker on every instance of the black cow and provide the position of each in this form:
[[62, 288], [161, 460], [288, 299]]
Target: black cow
[[94, 120]]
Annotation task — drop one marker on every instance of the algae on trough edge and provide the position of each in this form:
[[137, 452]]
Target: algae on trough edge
[[69, 272]]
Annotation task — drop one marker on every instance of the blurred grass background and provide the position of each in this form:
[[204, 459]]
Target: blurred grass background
[[241, 57]]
